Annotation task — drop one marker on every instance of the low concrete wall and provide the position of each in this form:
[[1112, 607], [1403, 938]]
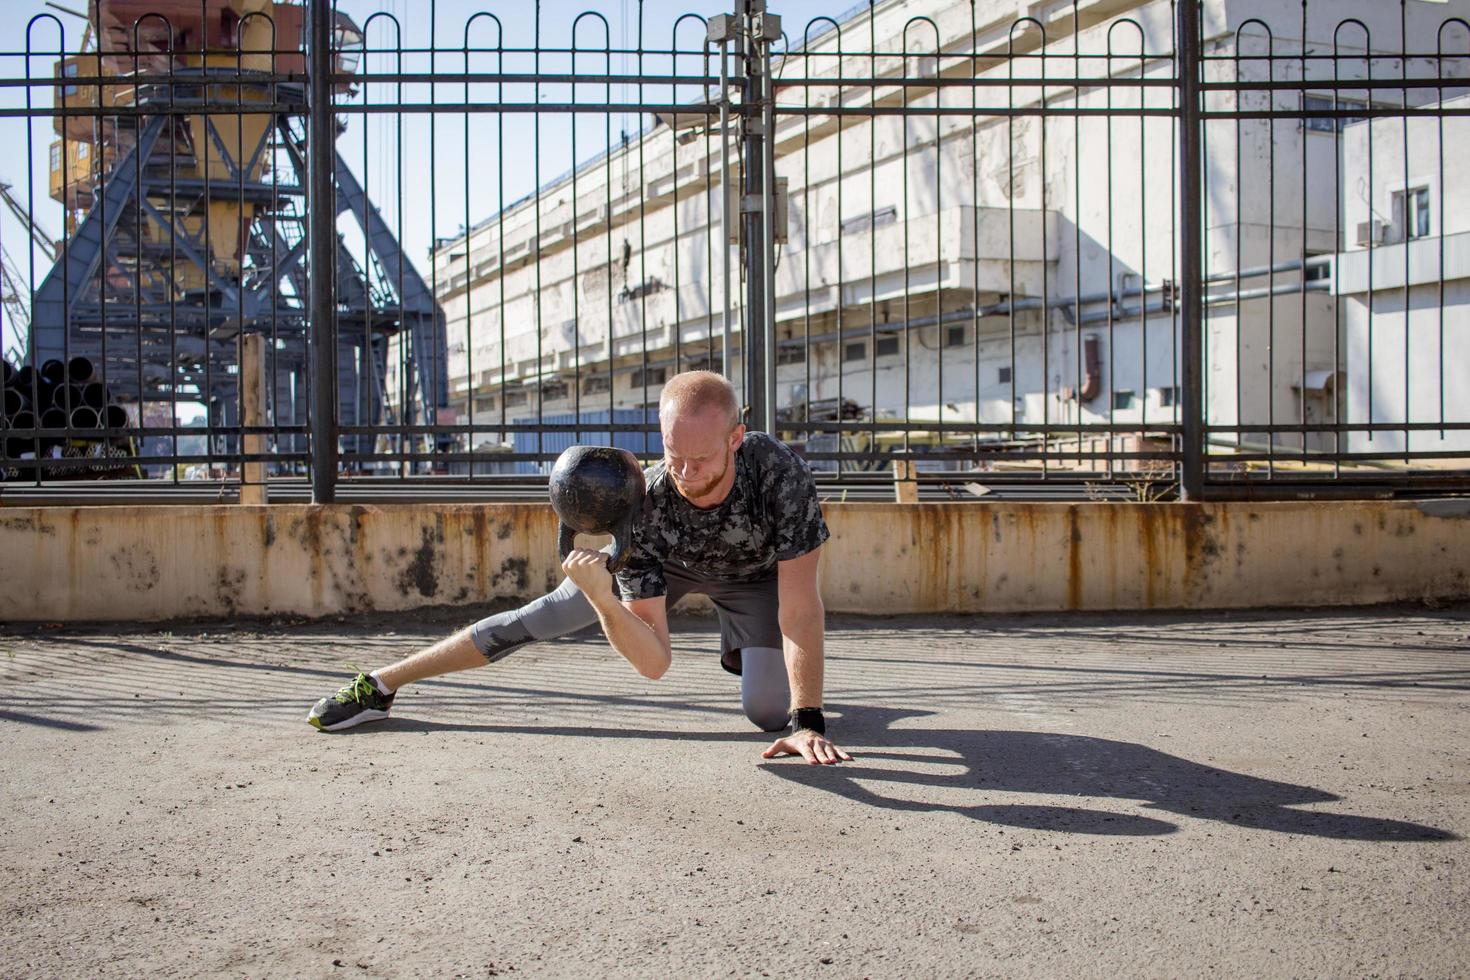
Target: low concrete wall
[[145, 563]]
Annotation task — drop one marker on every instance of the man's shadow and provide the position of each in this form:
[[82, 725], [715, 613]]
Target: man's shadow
[[1053, 764]]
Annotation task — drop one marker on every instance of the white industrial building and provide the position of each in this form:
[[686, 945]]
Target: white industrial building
[[937, 223], [1409, 217]]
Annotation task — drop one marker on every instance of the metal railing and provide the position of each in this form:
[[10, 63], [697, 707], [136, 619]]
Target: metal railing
[[1175, 251]]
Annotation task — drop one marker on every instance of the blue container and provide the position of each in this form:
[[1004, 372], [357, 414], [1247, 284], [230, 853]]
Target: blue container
[[646, 445]]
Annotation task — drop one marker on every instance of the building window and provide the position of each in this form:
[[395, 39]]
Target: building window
[[1411, 212], [1169, 397], [649, 377], [954, 336], [854, 352], [1326, 103], [597, 384], [513, 398], [791, 354], [886, 346], [1122, 399], [1003, 375], [555, 391], [56, 156]]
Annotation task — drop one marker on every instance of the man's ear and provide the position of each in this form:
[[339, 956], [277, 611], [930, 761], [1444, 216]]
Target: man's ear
[[737, 434]]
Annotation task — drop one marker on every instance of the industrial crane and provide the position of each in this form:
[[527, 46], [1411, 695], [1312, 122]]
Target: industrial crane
[[186, 229]]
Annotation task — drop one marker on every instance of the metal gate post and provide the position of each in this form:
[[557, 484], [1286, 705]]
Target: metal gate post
[[757, 30], [322, 233], [768, 31], [720, 33], [1191, 250], [752, 215]]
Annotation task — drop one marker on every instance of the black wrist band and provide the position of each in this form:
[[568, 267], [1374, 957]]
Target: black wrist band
[[808, 718]]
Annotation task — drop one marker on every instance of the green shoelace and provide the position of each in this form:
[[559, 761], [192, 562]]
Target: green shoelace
[[361, 689]]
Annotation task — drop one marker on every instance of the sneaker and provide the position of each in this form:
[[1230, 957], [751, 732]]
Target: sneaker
[[356, 703]]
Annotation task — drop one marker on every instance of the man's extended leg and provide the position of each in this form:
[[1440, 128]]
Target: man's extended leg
[[495, 637], [369, 696]]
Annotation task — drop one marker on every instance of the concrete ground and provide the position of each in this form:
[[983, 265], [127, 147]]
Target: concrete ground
[[1264, 794]]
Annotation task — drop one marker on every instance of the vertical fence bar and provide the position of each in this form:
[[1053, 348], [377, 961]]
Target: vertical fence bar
[[768, 222], [321, 158], [753, 324], [727, 364], [1191, 252]]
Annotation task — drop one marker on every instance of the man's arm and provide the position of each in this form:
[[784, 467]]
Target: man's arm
[[803, 631], [639, 630], [803, 628]]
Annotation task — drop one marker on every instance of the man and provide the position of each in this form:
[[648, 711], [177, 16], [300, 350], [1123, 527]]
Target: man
[[729, 513]]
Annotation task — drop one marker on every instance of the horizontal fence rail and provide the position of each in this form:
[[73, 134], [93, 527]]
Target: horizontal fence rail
[[336, 252]]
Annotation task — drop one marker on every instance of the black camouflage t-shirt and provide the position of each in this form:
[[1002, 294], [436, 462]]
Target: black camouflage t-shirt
[[771, 515]]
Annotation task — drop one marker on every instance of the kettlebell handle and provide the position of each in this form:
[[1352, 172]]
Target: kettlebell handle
[[567, 540]]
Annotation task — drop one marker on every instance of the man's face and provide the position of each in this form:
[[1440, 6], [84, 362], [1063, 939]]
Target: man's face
[[699, 449]]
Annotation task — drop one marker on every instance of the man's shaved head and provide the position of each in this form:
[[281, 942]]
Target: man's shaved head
[[698, 417], [696, 392]]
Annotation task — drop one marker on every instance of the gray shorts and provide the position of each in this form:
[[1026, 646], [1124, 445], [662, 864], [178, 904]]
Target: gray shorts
[[750, 633], [749, 612]]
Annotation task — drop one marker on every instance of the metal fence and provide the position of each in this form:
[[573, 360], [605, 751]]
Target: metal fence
[[1184, 249]]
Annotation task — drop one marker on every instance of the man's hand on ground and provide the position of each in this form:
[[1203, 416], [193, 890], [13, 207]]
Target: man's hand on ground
[[588, 569], [806, 743]]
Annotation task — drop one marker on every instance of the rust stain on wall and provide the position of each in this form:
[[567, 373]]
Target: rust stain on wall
[[74, 564], [421, 573], [1116, 572], [362, 555], [1201, 549], [933, 564], [482, 553], [975, 544], [228, 582], [1074, 560], [311, 539], [134, 567], [514, 574], [224, 586], [38, 525], [1148, 531]]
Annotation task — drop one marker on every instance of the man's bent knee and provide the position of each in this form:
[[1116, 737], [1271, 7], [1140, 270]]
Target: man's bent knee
[[496, 637], [764, 693], [557, 613], [768, 718]]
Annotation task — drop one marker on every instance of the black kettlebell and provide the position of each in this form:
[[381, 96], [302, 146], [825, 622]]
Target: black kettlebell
[[597, 490]]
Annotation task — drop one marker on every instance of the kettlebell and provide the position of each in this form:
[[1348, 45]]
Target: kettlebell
[[597, 490]]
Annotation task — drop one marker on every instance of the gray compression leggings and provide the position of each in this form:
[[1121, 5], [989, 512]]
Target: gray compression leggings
[[764, 692]]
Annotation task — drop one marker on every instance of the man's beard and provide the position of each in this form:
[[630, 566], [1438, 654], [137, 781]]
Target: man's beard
[[692, 492]]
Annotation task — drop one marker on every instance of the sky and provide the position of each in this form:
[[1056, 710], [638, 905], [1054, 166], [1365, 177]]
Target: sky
[[427, 180]]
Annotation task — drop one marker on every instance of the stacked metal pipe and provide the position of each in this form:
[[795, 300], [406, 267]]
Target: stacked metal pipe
[[57, 395]]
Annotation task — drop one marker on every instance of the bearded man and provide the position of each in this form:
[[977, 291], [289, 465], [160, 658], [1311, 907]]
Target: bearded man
[[730, 514]]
